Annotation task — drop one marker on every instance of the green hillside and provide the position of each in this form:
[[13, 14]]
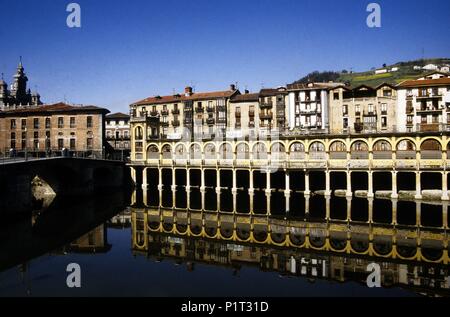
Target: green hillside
[[406, 72]]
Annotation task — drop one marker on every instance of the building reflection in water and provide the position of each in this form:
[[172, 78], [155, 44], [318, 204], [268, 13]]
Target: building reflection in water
[[413, 256]]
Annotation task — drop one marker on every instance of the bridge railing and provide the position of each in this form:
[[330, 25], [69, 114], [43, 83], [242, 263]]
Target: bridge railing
[[12, 155]]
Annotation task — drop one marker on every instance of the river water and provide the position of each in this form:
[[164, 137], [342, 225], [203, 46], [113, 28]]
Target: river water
[[126, 247]]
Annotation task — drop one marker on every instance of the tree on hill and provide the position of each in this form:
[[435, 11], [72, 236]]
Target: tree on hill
[[318, 77]]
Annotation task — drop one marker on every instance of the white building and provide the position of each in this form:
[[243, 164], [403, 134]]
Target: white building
[[430, 67], [424, 104], [381, 71], [308, 107]]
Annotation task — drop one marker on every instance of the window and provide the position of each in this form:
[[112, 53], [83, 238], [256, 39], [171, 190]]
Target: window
[[36, 123], [89, 122], [336, 96], [409, 119], [60, 122], [36, 135], [13, 123], [13, 140], [345, 109], [24, 124], [345, 123], [47, 123], [47, 134], [72, 144], [89, 143], [72, 122], [60, 144], [423, 119], [383, 122], [384, 107], [357, 110], [370, 108], [387, 93]]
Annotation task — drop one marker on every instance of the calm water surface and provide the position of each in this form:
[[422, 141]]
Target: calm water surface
[[127, 248]]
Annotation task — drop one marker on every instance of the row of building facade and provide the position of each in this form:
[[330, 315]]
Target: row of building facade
[[30, 127], [420, 105]]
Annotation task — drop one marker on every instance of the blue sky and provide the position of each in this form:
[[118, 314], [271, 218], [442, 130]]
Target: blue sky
[[128, 50]]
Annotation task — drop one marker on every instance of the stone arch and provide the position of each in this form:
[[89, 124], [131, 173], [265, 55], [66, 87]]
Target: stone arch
[[180, 151], [153, 152], [259, 151], [431, 149], [382, 150], [166, 151], [242, 151], [297, 151], [338, 150], [359, 150], [278, 151], [406, 149], [195, 151], [210, 151], [138, 133], [317, 151], [226, 151]]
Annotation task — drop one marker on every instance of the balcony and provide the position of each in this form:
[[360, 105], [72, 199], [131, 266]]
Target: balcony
[[210, 121], [431, 109], [176, 123], [164, 124], [237, 114], [221, 108], [164, 112], [431, 127], [265, 116], [209, 109], [358, 127], [429, 96], [176, 111], [370, 114], [266, 105], [199, 109], [153, 113]]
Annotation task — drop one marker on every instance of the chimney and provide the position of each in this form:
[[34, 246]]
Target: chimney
[[232, 87], [188, 91]]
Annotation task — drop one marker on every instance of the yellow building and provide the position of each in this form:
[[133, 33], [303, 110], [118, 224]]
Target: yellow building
[[363, 109]]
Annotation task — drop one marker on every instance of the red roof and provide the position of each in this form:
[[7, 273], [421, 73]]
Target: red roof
[[57, 107], [425, 83]]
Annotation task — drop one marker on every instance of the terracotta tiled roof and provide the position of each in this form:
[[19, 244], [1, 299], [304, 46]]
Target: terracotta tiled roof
[[425, 83], [181, 98], [52, 108], [245, 98]]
